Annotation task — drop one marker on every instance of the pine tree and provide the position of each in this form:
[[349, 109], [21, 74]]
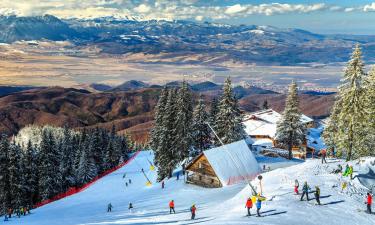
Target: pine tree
[[229, 125], [5, 195], [87, 169], [290, 131], [183, 122], [351, 135], [201, 133], [49, 173], [369, 113], [330, 131], [165, 154], [265, 104], [16, 176], [31, 175], [67, 160], [159, 115]]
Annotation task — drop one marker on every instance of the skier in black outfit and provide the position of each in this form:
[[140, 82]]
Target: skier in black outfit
[[109, 208], [305, 191], [130, 181], [317, 194]]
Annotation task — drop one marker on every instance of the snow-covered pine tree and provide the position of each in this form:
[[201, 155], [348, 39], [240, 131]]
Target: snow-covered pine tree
[[159, 115], [5, 195], [165, 153], [330, 131], [265, 104], [30, 174], [351, 136], [87, 169], [370, 112], [290, 131], [67, 160], [229, 125], [109, 155], [183, 122], [16, 176], [201, 133], [48, 168]]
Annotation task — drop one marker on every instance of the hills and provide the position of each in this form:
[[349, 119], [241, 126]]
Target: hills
[[188, 42], [130, 111]]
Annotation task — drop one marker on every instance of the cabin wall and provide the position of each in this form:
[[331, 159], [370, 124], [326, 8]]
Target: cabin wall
[[201, 173]]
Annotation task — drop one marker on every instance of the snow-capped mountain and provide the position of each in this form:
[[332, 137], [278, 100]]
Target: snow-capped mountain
[[242, 43]]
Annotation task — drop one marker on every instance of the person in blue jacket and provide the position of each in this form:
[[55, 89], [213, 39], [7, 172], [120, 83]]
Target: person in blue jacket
[[258, 205]]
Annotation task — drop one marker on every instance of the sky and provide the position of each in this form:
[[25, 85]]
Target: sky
[[335, 16]]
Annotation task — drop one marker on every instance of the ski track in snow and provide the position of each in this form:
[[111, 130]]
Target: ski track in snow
[[214, 206]]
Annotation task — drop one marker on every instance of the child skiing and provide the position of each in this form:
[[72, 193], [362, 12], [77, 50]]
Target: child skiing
[[193, 209], [305, 191], [171, 207], [296, 186], [249, 205], [317, 194], [109, 208], [369, 202], [259, 204]]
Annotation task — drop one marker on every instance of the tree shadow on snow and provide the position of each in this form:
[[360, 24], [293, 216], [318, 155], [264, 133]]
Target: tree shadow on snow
[[335, 202], [160, 213]]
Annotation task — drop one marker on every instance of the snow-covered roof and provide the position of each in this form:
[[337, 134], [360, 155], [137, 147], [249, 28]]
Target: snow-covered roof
[[264, 122], [233, 162], [263, 142]]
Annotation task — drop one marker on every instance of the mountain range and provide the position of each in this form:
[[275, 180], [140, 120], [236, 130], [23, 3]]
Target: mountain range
[[174, 39]]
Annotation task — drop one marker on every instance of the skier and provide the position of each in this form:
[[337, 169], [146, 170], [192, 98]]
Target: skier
[[162, 184], [249, 205], [317, 194], [305, 191], [126, 183], [350, 173], [109, 207], [130, 181], [5, 218], [324, 154], [296, 186], [258, 205], [369, 202], [171, 207], [346, 172], [130, 207], [10, 212], [192, 210], [178, 175]]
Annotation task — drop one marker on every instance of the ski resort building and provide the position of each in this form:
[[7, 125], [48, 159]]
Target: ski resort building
[[222, 166], [261, 127]]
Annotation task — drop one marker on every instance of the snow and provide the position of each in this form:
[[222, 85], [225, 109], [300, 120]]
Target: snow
[[214, 206], [259, 32], [264, 122], [233, 162], [314, 138]]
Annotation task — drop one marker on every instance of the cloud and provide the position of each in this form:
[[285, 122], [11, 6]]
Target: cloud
[[142, 8], [163, 9], [369, 7]]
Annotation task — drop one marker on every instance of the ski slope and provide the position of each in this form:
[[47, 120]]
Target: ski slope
[[214, 206]]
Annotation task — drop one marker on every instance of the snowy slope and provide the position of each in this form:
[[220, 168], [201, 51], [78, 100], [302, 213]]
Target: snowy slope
[[215, 206]]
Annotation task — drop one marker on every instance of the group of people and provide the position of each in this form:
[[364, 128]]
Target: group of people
[[193, 209], [22, 211], [305, 191], [257, 200]]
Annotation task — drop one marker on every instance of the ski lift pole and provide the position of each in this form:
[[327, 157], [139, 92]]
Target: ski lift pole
[[144, 174], [251, 186]]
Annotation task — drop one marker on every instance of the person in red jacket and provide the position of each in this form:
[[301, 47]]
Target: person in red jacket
[[369, 202], [171, 207], [249, 205], [192, 210]]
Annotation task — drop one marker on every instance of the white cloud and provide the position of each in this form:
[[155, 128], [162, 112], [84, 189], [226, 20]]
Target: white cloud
[[162, 9], [142, 8], [369, 7]]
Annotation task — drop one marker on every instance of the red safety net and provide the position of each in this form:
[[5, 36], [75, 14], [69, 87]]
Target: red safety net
[[75, 190]]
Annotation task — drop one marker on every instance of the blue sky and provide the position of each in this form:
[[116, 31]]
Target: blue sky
[[341, 16]]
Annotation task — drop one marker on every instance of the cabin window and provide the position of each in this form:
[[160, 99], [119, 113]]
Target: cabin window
[[200, 165], [212, 181], [200, 177]]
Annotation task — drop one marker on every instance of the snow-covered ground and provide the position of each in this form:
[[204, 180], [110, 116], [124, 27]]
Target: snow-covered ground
[[214, 206]]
